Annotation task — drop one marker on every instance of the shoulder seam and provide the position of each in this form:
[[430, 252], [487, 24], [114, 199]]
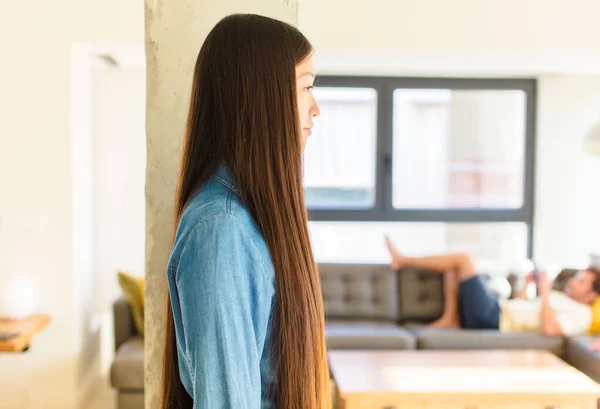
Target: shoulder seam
[[214, 216]]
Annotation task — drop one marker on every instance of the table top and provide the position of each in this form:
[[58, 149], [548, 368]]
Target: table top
[[27, 329], [461, 371]]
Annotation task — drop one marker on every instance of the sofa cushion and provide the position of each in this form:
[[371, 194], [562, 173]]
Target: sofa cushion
[[420, 294], [581, 357], [367, 335], [127, 370], [428, 338], [359, 291]]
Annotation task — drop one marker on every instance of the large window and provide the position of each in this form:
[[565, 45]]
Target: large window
[[340, 162], [438, 164]]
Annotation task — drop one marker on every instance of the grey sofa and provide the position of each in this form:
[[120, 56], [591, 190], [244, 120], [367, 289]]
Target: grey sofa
[[127, 369], [372, 307], [582, 358], [368, 307], [361, 307]]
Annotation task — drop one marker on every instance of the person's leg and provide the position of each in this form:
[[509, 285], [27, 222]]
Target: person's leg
[[460, 263], [450, 317], [456, 268]]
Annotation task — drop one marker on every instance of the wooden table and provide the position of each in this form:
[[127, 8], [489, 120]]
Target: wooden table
[[479, 379], [27, 328]]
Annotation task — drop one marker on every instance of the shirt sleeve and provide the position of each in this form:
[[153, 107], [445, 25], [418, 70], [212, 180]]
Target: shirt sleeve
[[572, 317], [225, 302]]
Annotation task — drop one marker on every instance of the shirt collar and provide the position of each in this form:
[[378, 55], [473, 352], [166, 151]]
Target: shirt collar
[[224, 176]]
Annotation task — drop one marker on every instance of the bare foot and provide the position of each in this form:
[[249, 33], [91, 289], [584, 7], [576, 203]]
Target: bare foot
[[398, 259], [445, 322]]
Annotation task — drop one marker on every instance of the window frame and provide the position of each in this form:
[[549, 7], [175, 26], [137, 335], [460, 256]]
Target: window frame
[[384, 211]]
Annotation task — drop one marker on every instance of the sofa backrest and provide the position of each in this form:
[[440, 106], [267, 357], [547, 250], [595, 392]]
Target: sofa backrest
[[359, 291], [124, 326], [420, 295], [375, 292]]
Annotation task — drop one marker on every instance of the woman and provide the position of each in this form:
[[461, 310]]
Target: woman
[[245, 323]]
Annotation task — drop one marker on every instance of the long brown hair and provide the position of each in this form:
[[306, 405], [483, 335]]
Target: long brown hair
[[243, 112], [596, 283]]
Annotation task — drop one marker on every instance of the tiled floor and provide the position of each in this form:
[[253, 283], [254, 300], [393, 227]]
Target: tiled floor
[[104, 398]]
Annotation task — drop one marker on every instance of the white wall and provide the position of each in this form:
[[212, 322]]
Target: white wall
[[567, 220], [458, 38], [35, 178], [118, 99], [452, 25]]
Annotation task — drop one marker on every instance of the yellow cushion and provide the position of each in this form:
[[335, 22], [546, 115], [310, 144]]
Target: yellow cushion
[[133, 289], [595, 328]]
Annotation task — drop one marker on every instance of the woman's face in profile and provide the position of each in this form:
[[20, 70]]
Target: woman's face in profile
[[307, 105]]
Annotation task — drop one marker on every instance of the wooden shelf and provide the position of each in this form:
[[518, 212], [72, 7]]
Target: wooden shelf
[[27, 329]]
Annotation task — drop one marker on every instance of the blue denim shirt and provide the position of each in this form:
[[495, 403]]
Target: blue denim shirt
[[222, 287]]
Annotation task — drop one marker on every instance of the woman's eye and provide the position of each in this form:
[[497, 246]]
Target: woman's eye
[[309, 88]]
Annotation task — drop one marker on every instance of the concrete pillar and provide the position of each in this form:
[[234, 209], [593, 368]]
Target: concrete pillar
[[175, 31]]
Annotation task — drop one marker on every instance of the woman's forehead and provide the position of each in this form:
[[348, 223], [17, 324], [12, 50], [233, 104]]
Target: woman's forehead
[[305, 68]]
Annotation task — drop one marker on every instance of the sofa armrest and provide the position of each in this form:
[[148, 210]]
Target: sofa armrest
[[123, 321]]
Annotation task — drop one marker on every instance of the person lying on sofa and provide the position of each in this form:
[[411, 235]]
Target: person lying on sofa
[[470, 304]]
